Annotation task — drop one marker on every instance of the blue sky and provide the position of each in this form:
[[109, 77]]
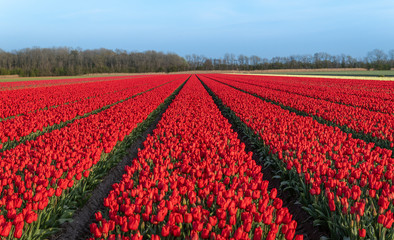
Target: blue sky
[[265, 28]]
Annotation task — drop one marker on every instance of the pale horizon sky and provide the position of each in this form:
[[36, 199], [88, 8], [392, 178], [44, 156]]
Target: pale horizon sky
[[265, 28]]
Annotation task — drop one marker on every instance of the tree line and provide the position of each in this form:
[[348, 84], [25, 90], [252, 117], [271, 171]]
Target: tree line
[[375, 59], [68, 61]]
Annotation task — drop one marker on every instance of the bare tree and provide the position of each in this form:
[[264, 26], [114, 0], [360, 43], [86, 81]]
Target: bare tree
[[378, 59], [391, 56]]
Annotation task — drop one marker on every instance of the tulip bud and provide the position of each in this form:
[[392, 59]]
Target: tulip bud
[[188, 218], [362, 233], [205, 233], [273, 193], [31, 217], [258, 233], [176, 231], [299, 237], [238, 233], [155, 237], [165, 231], [98, 216], [6, 229]]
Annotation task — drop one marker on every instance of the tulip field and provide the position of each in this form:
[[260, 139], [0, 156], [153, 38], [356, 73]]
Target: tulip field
[[198, 173]]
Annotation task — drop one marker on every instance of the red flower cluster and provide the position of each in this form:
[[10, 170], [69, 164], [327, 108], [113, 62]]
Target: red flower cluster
[[73, 101], [371, 95], [36, 95], [31, 173], [58, 82], [346, 173], [380, 125], [193, 180]]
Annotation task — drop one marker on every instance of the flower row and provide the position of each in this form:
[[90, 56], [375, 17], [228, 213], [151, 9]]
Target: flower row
[[370, 95], [90, 99], [345, 176], [28, 99], [55, 82], [193, 180], [33, 173], [379, 125]]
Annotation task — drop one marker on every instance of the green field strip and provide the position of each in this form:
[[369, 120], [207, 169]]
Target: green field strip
[[358, 135], [32, 136], [61, 209]]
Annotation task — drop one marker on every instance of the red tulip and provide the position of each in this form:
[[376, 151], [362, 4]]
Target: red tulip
[[362, 233], [197, 226], [175, 231], [208, 173], [98, 216], [18, 230], [165, 231], [205, 233], [155, 237], [6, 229], [331, 204], [31, 217], [258, 233], [278, 203], [299, 237], [188, 218], [273, 193]]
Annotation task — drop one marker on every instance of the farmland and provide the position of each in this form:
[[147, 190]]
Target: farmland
[[206, 156]]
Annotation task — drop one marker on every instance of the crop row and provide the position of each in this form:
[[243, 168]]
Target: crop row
[[23, 101], [35, 174], [379, 125], [55, 82], [23, 125], [370, 95], [345, 183], [193, 180]]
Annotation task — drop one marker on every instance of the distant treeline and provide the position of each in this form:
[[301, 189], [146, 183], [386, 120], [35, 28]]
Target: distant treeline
[[68, 61], [376, 59]]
